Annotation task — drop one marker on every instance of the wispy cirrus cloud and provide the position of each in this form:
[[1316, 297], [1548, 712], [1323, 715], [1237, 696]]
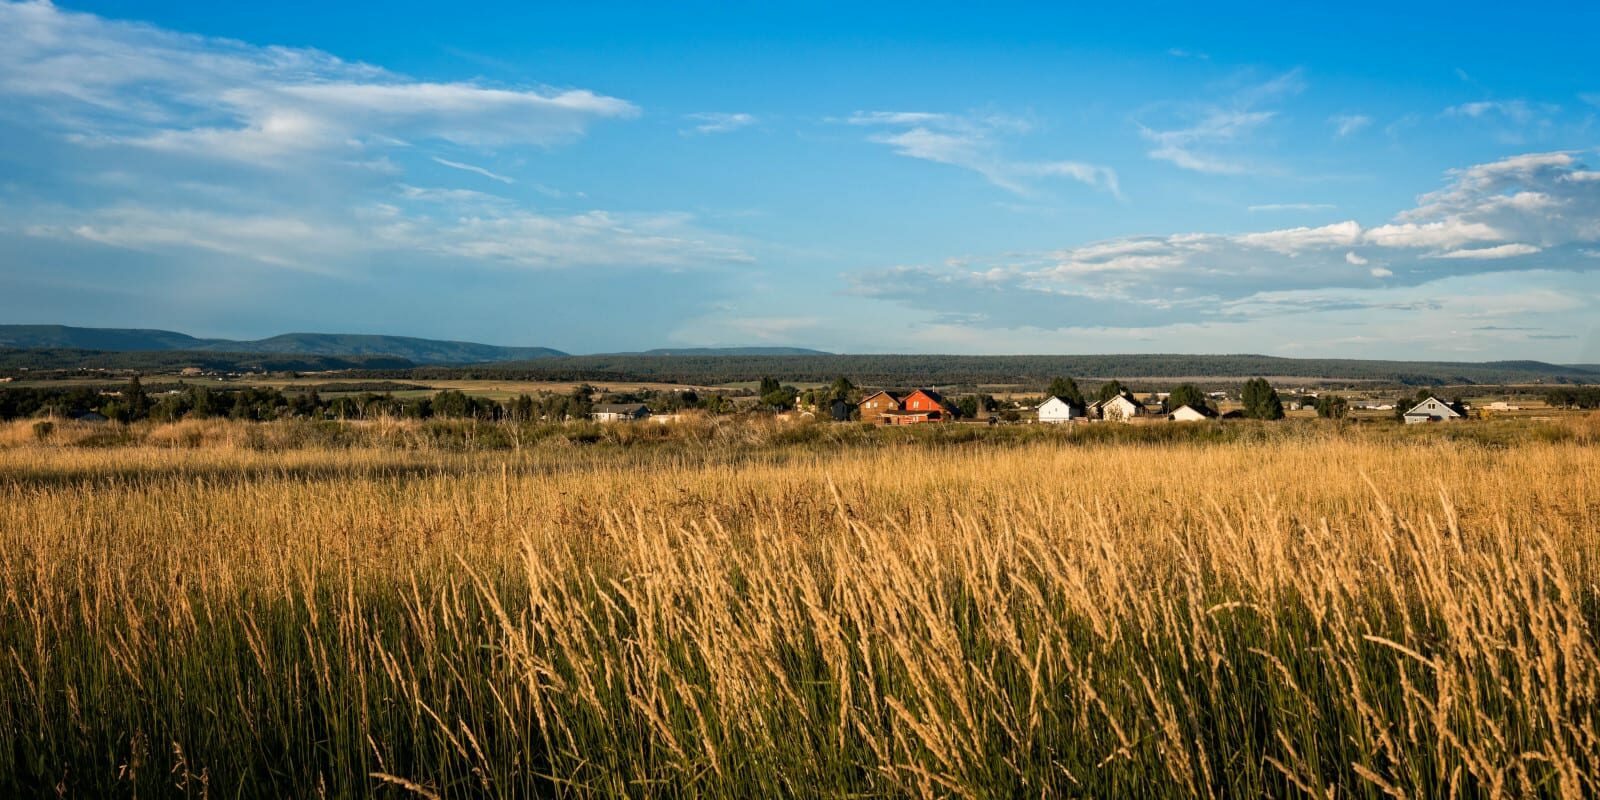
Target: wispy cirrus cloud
[[1291, 207], [1514, 121], [202, 150], [111, 82], [452, 225], [975, 142], [1205, 137], [472, 168], [706, 122], [1531, 212], [1518, 111], [1349, 124]]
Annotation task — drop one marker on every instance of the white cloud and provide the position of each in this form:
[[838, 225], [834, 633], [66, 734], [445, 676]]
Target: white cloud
[[1291, 241], [896, 118], [1182, 146], [475, 228], [113, 82], [1347, 124], [476, 170], [1446, 233], [1205, 139], [1498, 251], [1518, 214], [1518, 111], [227, 153], [973, 142], [719, 122], [1292, 207]]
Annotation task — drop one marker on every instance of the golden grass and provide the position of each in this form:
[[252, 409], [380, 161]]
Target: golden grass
[[1320, 615]]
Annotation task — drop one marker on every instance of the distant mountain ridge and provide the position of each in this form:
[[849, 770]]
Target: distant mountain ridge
[[138, 340], [431, 352]]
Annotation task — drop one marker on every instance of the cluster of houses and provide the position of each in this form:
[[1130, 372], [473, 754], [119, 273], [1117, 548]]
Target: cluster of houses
[[922, 406], [926, 405]]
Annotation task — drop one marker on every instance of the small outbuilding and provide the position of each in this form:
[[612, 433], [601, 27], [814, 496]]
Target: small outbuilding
[[618, 412], [839, 410], [1192, 414]]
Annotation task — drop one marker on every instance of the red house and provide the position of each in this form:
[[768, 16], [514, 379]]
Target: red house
[[922, 405]]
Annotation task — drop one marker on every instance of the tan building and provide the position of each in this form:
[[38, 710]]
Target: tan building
[[877, 404]]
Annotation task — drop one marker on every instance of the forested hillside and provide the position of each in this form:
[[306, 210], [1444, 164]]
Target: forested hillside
[[944, 369]]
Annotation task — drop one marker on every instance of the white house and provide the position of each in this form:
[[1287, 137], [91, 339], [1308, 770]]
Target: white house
[[1191, 414], [1434, 410], [616, 412], [1121, 408], [1057, 410]]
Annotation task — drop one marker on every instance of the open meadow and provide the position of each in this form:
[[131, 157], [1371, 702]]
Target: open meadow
[[1227, 610]]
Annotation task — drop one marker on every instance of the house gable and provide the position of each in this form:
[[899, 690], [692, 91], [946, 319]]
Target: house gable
[[1056, 408], [880, 401]]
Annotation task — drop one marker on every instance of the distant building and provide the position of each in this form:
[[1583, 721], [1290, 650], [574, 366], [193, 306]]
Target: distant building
[[1122, 408], [1435, 410], [1058, 410], [839, 410], [877, 404], [922, 405], [1192, 414], [618, 412]]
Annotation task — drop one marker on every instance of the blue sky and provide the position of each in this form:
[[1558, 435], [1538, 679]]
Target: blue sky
[[907, 178]]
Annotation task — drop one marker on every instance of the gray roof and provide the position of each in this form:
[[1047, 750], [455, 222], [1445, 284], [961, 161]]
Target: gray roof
[[619, 408]]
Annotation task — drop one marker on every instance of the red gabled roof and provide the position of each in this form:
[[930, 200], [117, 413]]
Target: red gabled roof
[[931, 395]]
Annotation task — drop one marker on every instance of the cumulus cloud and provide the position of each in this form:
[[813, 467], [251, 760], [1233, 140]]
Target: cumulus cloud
[[974, 142], [1518, 214]]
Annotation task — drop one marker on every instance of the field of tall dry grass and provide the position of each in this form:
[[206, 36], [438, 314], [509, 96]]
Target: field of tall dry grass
[[1327, 613]]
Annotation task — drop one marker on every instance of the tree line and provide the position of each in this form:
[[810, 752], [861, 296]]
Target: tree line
[[133, 403], [1574, 397], [903, 370]]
